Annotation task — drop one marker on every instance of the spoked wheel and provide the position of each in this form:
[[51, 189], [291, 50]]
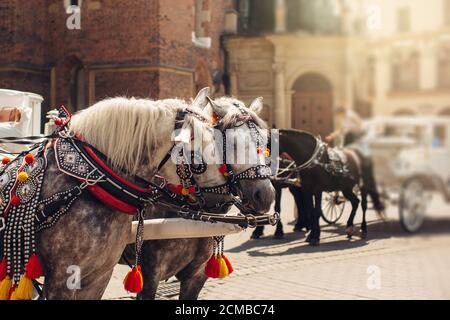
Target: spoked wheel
[[333, 204], [413, 203]]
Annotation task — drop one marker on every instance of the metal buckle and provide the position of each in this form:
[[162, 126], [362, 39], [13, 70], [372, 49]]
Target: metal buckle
[[274, 218], [2, 224]]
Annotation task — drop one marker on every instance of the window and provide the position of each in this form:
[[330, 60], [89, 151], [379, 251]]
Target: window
[[69, 3], [444, 68], [202, 21], [405, 73], [439, 135], [403, 20]]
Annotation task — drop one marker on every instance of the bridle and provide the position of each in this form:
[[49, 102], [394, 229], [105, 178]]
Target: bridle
[[256, 172]]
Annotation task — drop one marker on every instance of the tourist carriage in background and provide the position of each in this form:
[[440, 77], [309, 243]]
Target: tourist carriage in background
[[411, 161], [20, 116], [411, 157]]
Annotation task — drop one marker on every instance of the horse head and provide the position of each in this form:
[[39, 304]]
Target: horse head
[[144, 137], [244, 148]]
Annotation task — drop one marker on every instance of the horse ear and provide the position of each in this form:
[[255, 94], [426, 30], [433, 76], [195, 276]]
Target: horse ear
[[208, 110], [183, 135], [216, 108], [200, 100], [257, 105]]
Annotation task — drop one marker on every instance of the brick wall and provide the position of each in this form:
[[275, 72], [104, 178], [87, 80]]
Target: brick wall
[[140, 48]]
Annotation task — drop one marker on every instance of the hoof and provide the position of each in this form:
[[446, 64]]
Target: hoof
[[298, 229], [278, 236], [314, 242], [256, 235], [350, 232], [363, 234]]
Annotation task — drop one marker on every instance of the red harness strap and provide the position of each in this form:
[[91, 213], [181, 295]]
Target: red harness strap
[[107, 198], [111, 201], [105, 167]]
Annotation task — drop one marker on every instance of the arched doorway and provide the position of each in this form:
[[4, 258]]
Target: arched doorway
[[312, 104]]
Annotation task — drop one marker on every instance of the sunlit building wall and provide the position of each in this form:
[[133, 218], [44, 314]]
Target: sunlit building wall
[[409, 57], [374, 56]]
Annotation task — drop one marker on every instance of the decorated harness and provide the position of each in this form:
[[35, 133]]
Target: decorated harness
[[332, 160], [25, 212]]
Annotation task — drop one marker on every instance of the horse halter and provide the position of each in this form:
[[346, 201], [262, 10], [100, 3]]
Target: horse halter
[[256, 172], [188, 191]]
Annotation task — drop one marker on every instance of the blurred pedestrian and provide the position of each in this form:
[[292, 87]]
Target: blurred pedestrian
[[348, 127]]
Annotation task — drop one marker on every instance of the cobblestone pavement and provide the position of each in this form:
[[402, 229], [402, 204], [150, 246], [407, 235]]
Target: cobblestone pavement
[[389, 264]]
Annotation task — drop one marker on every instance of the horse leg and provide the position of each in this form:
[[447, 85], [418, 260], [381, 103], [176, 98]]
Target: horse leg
[[355, 202], [190, 287], [151, 262], [258, 232], [59, 286], [364, 194], [149, 289], [301, 216], [314, 236], [279, 233]]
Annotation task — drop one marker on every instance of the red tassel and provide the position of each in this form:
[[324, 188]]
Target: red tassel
[[229, 266], [3, 266], [134, 281], [33, 268], [223, 169], [175, 188], [212, 267], [11, 290]]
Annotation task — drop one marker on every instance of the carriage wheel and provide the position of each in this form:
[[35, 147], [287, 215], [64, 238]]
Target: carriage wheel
[[333, 204], [412, 205]]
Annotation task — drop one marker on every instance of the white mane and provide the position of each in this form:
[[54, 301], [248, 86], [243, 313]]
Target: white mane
[[129, 130]]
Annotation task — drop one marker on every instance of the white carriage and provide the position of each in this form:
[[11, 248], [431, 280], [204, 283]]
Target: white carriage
[[20, 115], [411, 158]]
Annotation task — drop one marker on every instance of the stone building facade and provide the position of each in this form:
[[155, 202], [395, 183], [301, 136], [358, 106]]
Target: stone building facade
[[409, 57], [157, 49], [377, 57]]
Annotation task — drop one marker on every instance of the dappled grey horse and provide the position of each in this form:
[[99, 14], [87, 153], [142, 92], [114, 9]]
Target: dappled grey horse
[[186, 258]]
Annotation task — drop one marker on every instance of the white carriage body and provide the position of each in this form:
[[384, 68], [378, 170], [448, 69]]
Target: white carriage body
[[29, 105], [405, 147]]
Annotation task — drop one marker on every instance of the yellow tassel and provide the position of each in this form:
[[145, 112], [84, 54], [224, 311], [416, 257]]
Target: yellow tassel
[[223, 269], [5, 286], [22, 177], [24, 290]]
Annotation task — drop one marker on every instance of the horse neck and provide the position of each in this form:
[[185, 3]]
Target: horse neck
[[300, 147]]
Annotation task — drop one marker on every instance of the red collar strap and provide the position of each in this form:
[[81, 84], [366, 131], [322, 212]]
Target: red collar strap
[[81, 161]]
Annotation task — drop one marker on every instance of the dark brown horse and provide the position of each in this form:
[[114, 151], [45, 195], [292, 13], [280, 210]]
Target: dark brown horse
[[312, 158]]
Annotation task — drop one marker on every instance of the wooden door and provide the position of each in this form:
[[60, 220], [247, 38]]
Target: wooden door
[[313, 112]]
